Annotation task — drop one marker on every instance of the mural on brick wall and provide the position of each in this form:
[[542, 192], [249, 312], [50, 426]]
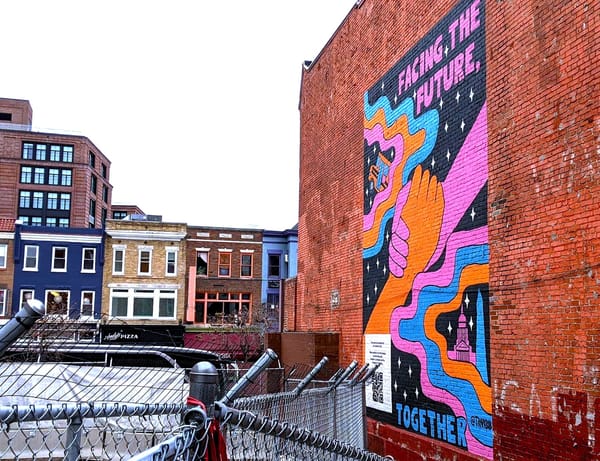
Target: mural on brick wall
[[425, 238]]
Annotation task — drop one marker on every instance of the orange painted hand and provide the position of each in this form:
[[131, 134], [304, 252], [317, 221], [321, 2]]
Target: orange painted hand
[[415, 232], [416, 225]]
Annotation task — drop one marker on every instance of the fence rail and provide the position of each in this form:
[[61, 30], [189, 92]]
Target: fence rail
[[51, 411]]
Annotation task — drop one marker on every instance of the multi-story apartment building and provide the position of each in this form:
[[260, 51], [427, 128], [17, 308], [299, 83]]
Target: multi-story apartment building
[[62, 267], [48, 178], [7, 238], [224, 275], [144, 272]]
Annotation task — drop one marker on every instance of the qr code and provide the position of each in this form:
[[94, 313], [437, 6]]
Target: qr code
[[377, 386]]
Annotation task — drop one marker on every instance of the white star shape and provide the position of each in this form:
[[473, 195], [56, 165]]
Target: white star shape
[[404, 395], [396, 98], [399, 362], [471, 323], [467, 300], [368, 267], [432, 162], [374, 149], [462, 125], [368, 299], [384, 270], [375, 289], [449, 328], [446, 127], [371, 202], [387, 236], [441, 103], [410, 371], [382, 85], [377, 263], [392, 152], [457, 97], [417, 393], [448, 154], [446, 51], [473, 214], [415, 94], [395, 385], [471, 94]]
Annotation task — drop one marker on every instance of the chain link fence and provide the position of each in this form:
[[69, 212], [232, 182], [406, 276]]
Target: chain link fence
[[51, 410]]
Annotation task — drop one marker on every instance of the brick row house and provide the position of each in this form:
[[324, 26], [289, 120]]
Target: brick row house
[[63, 241]]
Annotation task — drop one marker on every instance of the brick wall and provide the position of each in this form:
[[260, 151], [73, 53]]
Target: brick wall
[[532, 283]]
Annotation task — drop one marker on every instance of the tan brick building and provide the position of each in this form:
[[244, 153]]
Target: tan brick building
[[144, 272], [224, 275], [50, 178]]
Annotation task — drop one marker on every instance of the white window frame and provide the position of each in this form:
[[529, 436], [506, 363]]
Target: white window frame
[[68, 292], [93, 300], [155, 294], [171, 251], [144, 249], [23, 296], [4, 302], [54, 268], [122, 249], [207, 252], [25, 257], [93, 269], [3, 255]]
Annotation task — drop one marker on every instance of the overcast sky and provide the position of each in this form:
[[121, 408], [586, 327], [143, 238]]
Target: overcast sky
[[194, 102]]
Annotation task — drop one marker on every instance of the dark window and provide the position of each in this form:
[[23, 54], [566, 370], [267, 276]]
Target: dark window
[[92, 160], [105, 194], [104, 170], [5, 117], [119, 214], [93, 184], [274, 265]]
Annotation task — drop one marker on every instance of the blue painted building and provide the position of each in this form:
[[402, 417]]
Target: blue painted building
[[62, 267], [280, 262]]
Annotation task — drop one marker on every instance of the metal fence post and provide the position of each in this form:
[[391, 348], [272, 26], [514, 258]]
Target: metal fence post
[[73, 448], [204, 382]]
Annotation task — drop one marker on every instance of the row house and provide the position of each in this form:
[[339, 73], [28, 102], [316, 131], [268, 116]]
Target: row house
[[224, 275], [279, 263], [62, 267], [144, 274], [142, 271], [7, 238]]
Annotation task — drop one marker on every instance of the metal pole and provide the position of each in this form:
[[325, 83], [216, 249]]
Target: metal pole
[[344, 375], [308, 378], [259, 366], [204, 383], [73, 448], [23, 320]]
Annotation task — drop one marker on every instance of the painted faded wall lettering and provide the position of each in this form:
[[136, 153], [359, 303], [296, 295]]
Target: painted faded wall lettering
[[425, 238]]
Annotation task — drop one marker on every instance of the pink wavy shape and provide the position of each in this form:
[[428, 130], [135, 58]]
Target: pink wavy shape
[[441, 277]]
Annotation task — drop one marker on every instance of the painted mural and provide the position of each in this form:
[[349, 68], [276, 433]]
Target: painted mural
[[425, 237]]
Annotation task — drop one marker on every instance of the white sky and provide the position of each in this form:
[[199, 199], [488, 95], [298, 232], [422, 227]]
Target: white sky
[[194, 102]]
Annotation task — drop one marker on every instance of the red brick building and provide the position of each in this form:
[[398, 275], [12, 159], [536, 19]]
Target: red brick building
[[224, 275], [48, 178], [448, 228]]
